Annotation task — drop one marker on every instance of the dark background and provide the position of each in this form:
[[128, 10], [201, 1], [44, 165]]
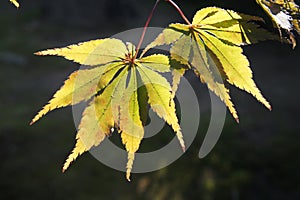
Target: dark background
[[256, 159]]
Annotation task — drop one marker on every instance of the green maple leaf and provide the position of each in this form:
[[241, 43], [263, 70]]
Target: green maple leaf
[[118, 89], [211, 46]]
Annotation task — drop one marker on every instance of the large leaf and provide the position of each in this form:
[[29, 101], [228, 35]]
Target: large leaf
[[118, 89], [211, 46]]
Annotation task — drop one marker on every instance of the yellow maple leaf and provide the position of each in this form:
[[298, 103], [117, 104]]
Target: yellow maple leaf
[[118, 86], [211, 47], [116, 99], [95, 124]]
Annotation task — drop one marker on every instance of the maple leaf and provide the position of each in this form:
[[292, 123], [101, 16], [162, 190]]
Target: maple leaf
[[178, 70], [96, 122], [284, 15], [15, 2], [211, 46], [121, 88], [118, 88]]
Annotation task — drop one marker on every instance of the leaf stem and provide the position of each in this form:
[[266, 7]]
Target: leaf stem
[[180, 12], [145, 29]]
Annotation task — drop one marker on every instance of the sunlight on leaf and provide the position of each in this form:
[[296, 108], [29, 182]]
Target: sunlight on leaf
[[211, 46], [96, 122], [96, 52], [117, 90], [160, 99], [82, 84]]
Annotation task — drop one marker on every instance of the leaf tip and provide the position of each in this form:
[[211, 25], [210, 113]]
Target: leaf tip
[[129, 165], [234, 114], [77, 151], [39, 53], [181, 140], [269, 108], [66, 166], [128, 177], [35, 119]]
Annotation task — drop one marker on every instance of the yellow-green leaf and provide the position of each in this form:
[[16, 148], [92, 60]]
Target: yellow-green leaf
[[211, 45], [92, 53], [178, 71], [189, 49], [80, 86], [209, 73], [160, 99], [120, 88], [232, 27], [235, 65], [130, 122], [96, 122], [156, 62]]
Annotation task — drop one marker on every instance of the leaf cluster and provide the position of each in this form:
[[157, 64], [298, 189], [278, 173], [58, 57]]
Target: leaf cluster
[[120, 85]]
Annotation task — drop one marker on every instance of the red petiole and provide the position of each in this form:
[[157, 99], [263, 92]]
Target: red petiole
[[179, 11], [145, 29], [149, 19]]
